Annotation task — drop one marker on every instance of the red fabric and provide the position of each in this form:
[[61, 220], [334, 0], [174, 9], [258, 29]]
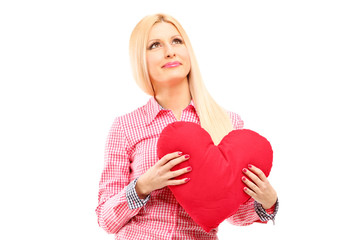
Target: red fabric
[[214, 192], [129, 152]]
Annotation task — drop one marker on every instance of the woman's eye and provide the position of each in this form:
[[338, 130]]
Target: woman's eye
[[177, 40], [154, 45]]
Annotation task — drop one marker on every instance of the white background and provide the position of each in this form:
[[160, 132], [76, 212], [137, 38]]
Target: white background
[[289, 68]]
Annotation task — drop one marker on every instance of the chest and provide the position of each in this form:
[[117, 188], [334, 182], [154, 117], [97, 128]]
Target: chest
[[145, 141], [144, 156]]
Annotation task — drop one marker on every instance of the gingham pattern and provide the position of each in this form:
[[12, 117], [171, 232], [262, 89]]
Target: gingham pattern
[[132, 198], [130, 151], [263, 214]]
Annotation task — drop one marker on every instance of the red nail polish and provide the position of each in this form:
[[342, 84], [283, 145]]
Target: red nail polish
[[187, 156], [189, 168], [186, 180], [244, 170], [250, 166], [245, 189], [180, 153], [243, 178]]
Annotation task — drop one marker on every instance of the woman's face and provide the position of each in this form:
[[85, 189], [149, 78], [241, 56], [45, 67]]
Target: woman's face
[[167, 57]]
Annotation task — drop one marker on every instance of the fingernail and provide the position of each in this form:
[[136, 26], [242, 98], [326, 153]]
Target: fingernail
[[245, 189], [243, 178], [244, 170], [188, 179], [250, 166], [189, 168], [180, 153], [187, 156]]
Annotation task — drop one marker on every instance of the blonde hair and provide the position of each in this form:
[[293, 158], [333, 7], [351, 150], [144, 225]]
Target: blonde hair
[[213, 118]]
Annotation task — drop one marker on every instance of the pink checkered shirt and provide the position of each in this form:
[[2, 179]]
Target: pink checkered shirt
[[130, 151]]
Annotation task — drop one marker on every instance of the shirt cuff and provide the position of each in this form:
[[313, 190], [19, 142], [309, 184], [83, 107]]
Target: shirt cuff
[[132, 198], [263, 214]]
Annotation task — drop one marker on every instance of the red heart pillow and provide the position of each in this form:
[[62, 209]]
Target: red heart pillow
[[215, 191]]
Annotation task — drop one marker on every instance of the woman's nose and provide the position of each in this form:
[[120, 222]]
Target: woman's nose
[[169, 51]]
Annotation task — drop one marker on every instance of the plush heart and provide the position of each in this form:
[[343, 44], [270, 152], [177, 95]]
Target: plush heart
[[215, 191]]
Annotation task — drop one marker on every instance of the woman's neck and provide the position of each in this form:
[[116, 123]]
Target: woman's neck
[[175, 98]]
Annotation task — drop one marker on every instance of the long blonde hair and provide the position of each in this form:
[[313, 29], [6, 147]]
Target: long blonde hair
[[213, 118]]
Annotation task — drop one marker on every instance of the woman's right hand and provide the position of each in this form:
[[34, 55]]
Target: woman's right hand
[[160, 175]]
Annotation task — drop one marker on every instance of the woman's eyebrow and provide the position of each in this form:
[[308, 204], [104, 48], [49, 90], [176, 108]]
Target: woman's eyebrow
[[160, 39]]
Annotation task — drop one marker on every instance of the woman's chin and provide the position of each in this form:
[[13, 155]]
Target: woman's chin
[[172, 79]]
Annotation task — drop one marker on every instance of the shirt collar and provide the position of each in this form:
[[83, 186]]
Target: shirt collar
[[152, 109]]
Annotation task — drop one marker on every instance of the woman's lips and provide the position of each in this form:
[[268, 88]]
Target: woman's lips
[[171, 64]]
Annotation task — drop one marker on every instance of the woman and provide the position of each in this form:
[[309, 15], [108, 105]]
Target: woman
[[134, 202]]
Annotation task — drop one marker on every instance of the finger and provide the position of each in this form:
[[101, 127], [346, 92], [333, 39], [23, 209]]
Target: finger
[[250, 184], [170, 164], [249, 192], [258, 172], [168, 157], [174, 174], [253, 177], [178, 182]]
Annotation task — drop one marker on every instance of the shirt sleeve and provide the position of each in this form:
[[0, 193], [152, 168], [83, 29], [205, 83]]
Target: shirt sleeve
[[132, 198], [113, 210], [268, 214]]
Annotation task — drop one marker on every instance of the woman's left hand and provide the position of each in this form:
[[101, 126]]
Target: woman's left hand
[[258, 187]]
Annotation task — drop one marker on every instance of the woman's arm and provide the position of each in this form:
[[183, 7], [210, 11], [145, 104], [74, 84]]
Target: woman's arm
[[259, 188], [263, 204], [120, 200], [266, 206], [113, 210], [252, 211]]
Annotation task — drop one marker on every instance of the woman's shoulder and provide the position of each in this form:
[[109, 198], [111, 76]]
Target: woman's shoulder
[[131, 119], [236, 120], [233, 115]]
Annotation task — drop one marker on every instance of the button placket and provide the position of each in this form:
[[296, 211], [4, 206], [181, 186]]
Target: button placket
[[173, 219]]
